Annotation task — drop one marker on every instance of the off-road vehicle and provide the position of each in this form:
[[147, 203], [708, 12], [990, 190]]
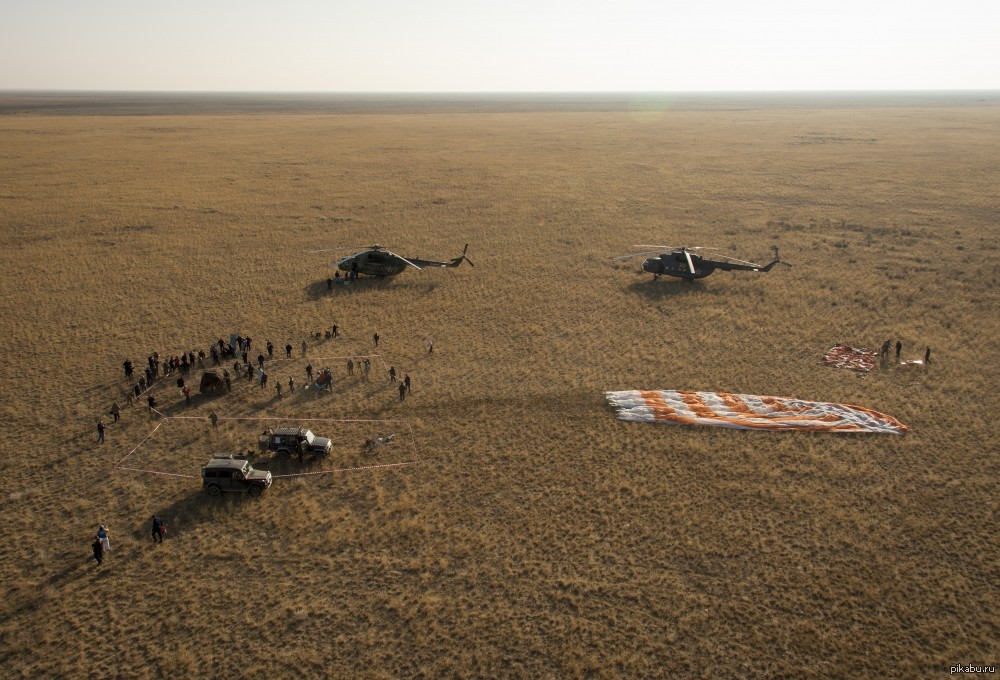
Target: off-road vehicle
[[229, 473], [293, 440]]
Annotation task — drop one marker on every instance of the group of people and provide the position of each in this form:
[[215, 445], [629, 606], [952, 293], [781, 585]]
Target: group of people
[[887, 348], [101, 546], [238, 348]]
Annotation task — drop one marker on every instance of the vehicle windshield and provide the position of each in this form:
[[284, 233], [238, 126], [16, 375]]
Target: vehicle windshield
[[310, 436], [247, 469]]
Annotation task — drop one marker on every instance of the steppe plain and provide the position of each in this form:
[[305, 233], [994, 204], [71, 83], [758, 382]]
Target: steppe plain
[[536, 535]]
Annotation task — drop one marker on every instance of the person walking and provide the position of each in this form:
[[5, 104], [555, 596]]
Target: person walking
[[270, 350], [100, 431], [375, 338], [157, 530], [116, 411], [392, 374], [402, 391], [98, 549]]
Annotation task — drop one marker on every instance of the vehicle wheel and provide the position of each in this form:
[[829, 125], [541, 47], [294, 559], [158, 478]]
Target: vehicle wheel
[[214, 490], [255, 490]]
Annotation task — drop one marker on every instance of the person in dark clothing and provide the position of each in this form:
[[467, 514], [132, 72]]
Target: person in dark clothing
[[402, 391], [392, 374], [288, 351], [309, 372], [100, 431], [157, 529], [116, 410], [375, 338], [329, 285], [249, 373], [151, 400], [406, 381], [270, 350], [137, 390], [899, 348], [98, 549], [927, 355], [336, 330], [260, 361], [128, 369]]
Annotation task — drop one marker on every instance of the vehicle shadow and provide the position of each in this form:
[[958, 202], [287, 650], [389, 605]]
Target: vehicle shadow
[[664, 289], [319, 290]]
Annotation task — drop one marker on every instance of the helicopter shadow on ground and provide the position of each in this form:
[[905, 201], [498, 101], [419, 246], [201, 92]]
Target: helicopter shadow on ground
[[319, 290], [665, 290]]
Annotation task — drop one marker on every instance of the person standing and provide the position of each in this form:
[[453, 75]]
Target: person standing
[[375, 338], [329, 285], [270, 350], [430, 346], [277, 386], [406, 381], [214, 417], [336, 331], [368, 367], [402, 391], [350, 366], [291, 384], [100, 431], [116, 410], [927, 355], [157, 529], [186, 391], [98, 549], [102, 536], [260, 361], [288, 351], [899, 348], [392, 374], [309, 372]]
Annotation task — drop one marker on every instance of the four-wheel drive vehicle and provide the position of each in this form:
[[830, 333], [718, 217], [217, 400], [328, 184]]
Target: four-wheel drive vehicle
[[297, 440], [226, 473]]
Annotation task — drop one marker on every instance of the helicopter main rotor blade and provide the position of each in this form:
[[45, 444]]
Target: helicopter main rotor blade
[[733, 259], [406, 261], [625, 257], [690, 263]]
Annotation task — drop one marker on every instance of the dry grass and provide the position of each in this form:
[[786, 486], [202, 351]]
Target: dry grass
[[538, 536]]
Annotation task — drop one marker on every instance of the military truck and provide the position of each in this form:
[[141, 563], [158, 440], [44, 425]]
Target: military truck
[[297, 440], [229, 473]]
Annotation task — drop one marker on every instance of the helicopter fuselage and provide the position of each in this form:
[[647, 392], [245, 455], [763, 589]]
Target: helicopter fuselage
[[675, 264], [372, 263]]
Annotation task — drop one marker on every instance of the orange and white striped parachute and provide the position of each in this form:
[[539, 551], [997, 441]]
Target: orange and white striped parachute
[[748, 412]]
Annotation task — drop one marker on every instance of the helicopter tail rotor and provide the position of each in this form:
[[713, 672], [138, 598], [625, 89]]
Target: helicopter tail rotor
[[461, 258]]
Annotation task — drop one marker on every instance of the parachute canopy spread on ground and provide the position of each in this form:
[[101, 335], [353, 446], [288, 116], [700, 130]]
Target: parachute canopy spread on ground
[[748, 412]]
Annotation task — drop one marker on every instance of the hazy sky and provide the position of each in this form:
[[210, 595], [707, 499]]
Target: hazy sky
[[499, 45]]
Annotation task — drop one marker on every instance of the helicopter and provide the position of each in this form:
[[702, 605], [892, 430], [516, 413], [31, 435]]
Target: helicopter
[[685, 263], [375, 260]]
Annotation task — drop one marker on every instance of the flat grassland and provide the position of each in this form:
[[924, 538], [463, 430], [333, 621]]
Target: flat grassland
[[537, 535]]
